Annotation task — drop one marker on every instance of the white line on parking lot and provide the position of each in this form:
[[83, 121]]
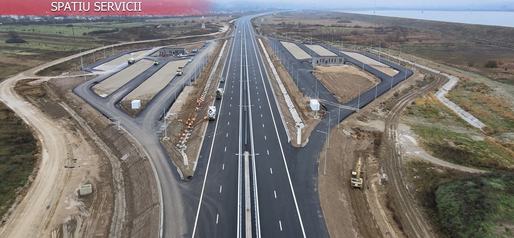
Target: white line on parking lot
[[275, 193]]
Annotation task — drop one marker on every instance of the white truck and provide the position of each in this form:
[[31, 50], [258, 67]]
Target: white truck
[[211, 113], [356, 179], [179, 71]]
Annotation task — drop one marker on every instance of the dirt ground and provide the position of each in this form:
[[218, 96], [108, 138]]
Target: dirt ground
[[361, 213], [55, 207], [346, 81], [137, 201], [366, 212]]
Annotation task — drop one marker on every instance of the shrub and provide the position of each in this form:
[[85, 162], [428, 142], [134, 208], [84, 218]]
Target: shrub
[[491, 64]]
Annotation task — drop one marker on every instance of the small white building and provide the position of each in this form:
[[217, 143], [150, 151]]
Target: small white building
[[314, 104], [136, 104]]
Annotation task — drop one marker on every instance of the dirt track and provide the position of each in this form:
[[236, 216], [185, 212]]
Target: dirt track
[[51, 200], [346, 210], [404, 205], [51, 173]]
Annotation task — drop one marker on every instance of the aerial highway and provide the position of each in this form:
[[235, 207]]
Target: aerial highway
[[249, 180], [248, 121]]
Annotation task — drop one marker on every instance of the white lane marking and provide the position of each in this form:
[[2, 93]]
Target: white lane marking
[[278, 136], [228, 123], [230, 105], [270, 170], [226, 135], [267, 152], [221, 188], [218, 217], [259, 106], [275, 193], [280, 224], [254, 167], [262, 125], [240, 155], [265, 138], [258, 99], [212, 146], [230, 97], [229, 113], [261, 115], [225, 149], [223, 166]]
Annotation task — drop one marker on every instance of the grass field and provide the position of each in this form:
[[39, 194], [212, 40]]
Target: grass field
[[430, 110], [17, 156], [464, 205], [46, 42], [462, 148], [468, 47], [477, 207], [479, 100]]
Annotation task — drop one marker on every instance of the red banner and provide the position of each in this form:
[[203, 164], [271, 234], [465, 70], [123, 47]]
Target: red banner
[[103, 7]]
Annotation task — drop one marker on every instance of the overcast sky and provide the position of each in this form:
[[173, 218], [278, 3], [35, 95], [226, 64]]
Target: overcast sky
[[418, 4]]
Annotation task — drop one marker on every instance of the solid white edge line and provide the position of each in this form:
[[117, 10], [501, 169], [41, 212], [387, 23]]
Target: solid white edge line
[[212, 73], [279, 141], [273, 91], [212, 145]]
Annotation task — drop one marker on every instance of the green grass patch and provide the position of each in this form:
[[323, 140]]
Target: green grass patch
[[477, 206], [17, 156], [478, 99], [462, 149], [431, 110]]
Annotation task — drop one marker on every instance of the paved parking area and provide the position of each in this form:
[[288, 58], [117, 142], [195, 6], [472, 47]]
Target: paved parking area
[[120, 60], [153, 85], [296, 51], [111, 84], [320, 50]]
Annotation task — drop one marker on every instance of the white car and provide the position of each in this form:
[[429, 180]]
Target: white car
[[211, 113]]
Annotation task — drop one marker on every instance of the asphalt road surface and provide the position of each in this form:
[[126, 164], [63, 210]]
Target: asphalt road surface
[[248, 121]]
